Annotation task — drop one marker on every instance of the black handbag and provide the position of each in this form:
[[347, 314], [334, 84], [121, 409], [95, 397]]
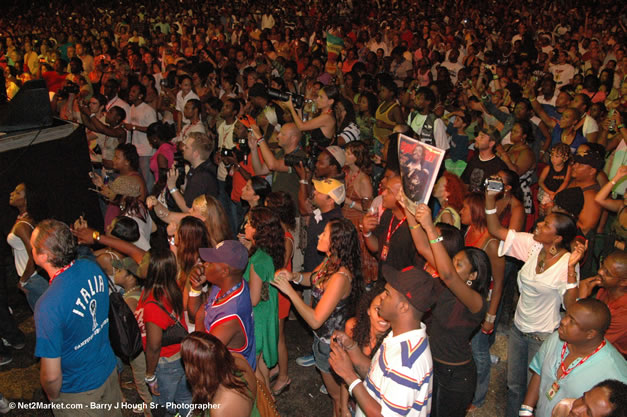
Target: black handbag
[[175, 333], [124, 334]]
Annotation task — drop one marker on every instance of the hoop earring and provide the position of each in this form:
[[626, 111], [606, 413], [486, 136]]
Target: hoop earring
[[553, 250], [469, 283]]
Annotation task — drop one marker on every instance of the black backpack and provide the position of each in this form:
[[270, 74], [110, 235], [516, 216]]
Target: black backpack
[[124, 333]]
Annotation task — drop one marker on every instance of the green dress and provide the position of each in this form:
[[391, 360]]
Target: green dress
[[265, 313]]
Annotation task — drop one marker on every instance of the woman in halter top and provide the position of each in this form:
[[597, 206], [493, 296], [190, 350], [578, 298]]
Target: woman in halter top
[[31, 212]]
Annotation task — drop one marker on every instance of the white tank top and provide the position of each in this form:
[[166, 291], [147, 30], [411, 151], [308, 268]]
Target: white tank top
[[20, 254]]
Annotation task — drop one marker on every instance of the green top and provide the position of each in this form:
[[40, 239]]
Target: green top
[[266, 313]]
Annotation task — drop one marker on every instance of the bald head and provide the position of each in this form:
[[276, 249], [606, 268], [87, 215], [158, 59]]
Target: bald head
[[617, 261], [289, 137], [595, 315]]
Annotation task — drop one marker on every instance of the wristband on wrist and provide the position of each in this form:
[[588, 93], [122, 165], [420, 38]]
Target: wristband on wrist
[[353, 385], [368, 234], [261, 139], [525, 411], [300, 279], [304, 182], [194, 293], [351, 205], [620, 126], [150, 379], [173, 190], [436, 240], [490, 211], [96, 236], [490, 318], [414, 227]]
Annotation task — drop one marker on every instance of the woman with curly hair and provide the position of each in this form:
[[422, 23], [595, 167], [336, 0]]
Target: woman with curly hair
[[191, 235], [336, 284], [218, 376], [449, 191], [266, 234], [282, 204], [367, 329]]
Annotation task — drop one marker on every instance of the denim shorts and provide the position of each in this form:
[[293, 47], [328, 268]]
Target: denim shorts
[[321, 351]]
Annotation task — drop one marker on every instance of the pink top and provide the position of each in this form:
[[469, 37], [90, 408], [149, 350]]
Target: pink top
[[167, 150]]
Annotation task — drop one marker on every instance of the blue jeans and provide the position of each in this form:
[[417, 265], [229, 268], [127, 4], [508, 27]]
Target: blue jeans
[[147, 175], [321, 352], [172, 385], [481, 344], [521, 348], [35, 287]]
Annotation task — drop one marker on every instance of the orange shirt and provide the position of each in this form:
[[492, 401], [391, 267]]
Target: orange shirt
[[617, 333]]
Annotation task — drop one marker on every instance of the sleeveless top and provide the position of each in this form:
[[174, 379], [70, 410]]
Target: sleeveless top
[[337, 319], [450, 210], [556, 137], [235, 306], [317, 136], [20, 254], [381, 133], [554, 179]]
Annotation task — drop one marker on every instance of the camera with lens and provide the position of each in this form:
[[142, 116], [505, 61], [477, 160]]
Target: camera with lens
[[297, 99], [309, 162], [179, 164], [492, 184], [70, 88]]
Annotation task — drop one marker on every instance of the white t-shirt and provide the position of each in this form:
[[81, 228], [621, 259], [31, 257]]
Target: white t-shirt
[[589, 126], [142, 115], [182, 101], [400, 375], [541, 295]]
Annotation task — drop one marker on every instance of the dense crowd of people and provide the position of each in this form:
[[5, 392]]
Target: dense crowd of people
[[248, 165]]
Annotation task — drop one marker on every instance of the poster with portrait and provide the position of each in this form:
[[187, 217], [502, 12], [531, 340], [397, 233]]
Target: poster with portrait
[[419, 164]]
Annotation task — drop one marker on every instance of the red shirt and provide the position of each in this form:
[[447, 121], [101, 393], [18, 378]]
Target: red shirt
[[151, 313], [617, 333]]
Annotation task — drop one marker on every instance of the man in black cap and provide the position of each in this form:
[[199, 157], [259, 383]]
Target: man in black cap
[[398, 379], [584, 173]]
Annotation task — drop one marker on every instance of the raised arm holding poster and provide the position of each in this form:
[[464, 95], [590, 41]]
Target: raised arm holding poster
[[419, 164]]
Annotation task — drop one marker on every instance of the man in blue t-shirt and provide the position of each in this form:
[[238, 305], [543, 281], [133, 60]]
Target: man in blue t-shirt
[[573, 359], [72, 326]]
